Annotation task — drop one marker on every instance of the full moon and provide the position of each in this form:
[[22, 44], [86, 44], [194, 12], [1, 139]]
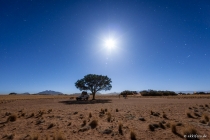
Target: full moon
[[110, 43]]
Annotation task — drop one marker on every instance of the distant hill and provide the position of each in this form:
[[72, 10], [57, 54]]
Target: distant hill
[[191, 91], [49, 92]]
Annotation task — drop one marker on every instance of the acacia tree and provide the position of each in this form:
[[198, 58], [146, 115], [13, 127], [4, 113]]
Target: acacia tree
[[94, 83]]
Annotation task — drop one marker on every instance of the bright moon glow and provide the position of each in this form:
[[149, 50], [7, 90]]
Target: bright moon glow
[[110, 43]]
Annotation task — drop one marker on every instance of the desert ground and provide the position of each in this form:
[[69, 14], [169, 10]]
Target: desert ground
[[24, 117]]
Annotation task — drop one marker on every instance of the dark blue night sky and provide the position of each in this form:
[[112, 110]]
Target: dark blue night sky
[[158, 44]]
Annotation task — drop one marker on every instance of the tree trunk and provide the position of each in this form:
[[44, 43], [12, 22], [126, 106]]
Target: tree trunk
[[93, 95]]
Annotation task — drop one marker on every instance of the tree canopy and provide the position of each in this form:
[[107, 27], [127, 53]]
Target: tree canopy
[[94, 83]]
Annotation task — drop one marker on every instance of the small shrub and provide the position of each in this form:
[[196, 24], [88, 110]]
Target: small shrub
[[120, 129], [105, 110], [151, 127], [93, 124], [206, 105], [117, 110], [12, 118], [133, 135]]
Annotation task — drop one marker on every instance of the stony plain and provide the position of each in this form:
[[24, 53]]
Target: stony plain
[[25, 117]]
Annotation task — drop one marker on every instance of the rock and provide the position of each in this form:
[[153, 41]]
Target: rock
[[107, 131], [83, 129], [141, 119]]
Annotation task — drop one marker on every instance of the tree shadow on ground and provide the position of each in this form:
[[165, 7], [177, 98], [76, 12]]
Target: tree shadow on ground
[[97, 101]]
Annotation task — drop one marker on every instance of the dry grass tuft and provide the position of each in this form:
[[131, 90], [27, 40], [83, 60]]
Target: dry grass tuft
[[179, 124], [84, 123], [205, 117], [23, 114], [189, 115], [165, 116], [90, 115], [151, 127], [202, 121], [12, 118], [9, 137], [102, 111], [133, 135], [35, 137], [120, 128], [50, 110], [40, 113], [69, 124], [58, 136], [50, 126], [196, 114], [161, 125], [75, 113], [31, 115], [168, 125], [173, 128], [109, 117], [189, 130], [93, 124]]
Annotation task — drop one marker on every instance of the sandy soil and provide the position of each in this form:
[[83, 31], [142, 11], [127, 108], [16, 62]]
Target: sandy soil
[[70, 119]]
